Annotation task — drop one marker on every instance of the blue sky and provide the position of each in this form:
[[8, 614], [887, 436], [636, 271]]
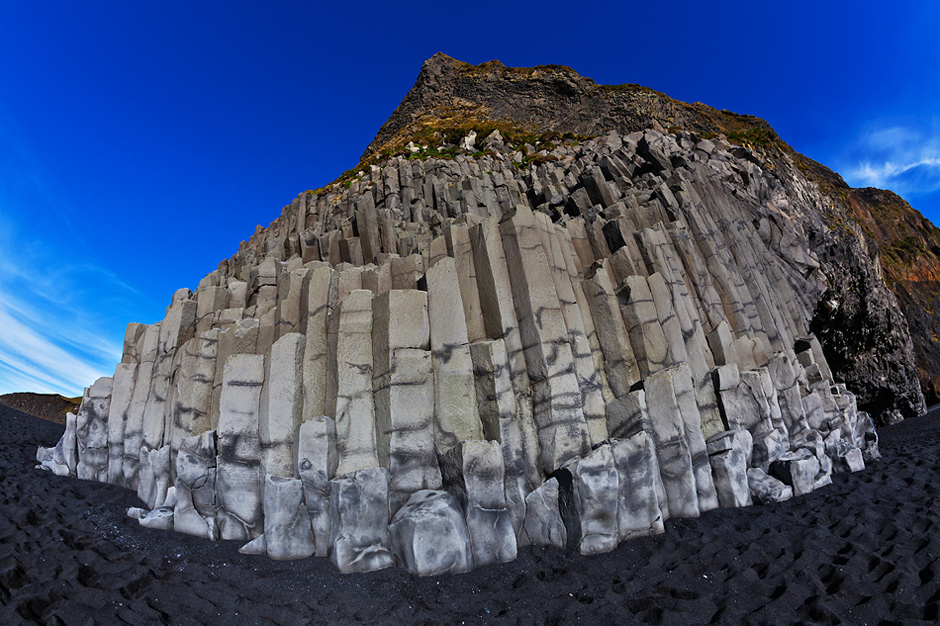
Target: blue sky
[[140, 142]]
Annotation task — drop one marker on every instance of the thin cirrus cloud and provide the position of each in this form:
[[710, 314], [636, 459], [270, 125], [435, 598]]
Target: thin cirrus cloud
[[903, 158], [51, 341]]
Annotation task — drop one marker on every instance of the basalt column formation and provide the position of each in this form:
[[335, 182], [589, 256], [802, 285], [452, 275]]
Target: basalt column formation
[[467, 348]]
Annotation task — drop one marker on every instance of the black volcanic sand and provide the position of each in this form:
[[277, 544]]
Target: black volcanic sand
[[861, 551]]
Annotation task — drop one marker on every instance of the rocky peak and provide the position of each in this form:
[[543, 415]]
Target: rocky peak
[[541, 99]]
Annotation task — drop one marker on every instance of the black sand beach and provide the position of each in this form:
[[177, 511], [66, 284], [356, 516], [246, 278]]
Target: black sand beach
[[862, 551]]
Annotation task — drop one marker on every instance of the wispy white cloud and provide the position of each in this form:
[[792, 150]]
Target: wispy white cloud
[[48, 342], [58, 312], [902, 157]]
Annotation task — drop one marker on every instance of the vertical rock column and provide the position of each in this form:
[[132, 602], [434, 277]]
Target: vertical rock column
[[672, 447], [650, 346], [640, 486], [457, 237], [316, 466], [589, 382], [682, 385], [239, 460], [92, 432], [133, 432], [355, 408], [455, 407], [359, 528], [319, 368], [473, 472], [403, 383], [499, 413], [121, 392], [563, 433], [195, 509], [240, 338], [175, 330], [194, 387], [281, 404], [519, 436], [619, 362]]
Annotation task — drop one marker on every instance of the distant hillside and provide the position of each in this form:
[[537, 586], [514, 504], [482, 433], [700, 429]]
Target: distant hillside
[[48, 406]]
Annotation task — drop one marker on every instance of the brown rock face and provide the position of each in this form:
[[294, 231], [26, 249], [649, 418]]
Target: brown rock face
[[48, 406], [542, 99]]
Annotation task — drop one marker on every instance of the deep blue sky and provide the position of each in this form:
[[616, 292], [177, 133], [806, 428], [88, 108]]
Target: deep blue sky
[[141, 141]]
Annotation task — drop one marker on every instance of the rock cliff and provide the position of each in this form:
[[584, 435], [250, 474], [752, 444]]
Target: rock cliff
[[539, 311]]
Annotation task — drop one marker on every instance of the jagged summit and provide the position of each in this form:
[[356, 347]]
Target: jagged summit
[[546, 98]]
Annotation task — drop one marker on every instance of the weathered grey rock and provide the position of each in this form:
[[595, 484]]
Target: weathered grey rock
[[619, 362], [320, 367], [160, 518], [543, 525], [355, 408], [281, 405], [769, 447], [66, 450], [133, 431], [241, 338], [316, 465], [257, 546], [731, 440], [405, 421], [729, 469], [628, 415], [798, 470], [496, 299], [46, 459], [866, 437], [403, 383], [359, 539], [121, 392], [456, 415], [850, 460], [508, 421], [473, 472], [784, 375], [596, 489], [650, 346], [727, 378], [767, 489], [721, 342], [194, 387], [154, 476], [640, 489], [589, 379], [672, 447], [238, 474], [457, 237], [682, 384], [287, 531], [429, 535], [195, 511], [556, 399], [91, 430]]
